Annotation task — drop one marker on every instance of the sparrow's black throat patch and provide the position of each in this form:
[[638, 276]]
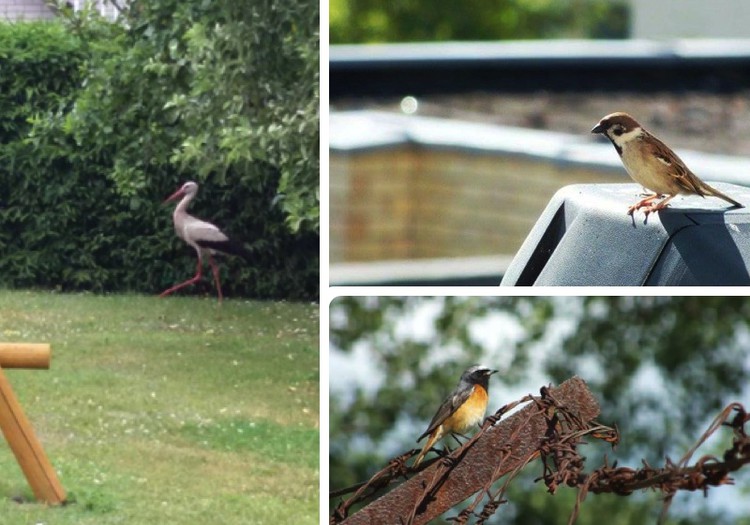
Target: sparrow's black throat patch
[[618, 148]]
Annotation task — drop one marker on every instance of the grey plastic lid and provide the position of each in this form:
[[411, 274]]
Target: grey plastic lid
[[585, 238]]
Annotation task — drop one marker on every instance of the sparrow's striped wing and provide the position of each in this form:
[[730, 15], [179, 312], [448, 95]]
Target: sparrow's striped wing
[[676, 168], [682, 175]]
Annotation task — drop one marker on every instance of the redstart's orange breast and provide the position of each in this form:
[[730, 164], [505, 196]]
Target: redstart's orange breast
[[461, 410]]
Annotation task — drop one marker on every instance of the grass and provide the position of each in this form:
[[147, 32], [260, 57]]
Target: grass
[[167, 410]]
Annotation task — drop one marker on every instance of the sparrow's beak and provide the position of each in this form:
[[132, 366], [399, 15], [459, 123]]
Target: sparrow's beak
[[597, 129], [176, 195], [491, 372]]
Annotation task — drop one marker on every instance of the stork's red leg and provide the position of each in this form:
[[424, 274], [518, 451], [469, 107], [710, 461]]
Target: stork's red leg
[[215, 270], [192, 280]]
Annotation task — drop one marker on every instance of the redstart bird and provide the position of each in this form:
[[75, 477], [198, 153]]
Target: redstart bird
[[461, 410]]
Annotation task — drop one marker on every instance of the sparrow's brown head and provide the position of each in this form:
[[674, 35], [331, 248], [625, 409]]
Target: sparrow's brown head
[[620, 128], [615, 125]]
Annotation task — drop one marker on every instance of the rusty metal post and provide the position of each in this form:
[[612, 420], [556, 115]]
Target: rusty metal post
[[485, 462]]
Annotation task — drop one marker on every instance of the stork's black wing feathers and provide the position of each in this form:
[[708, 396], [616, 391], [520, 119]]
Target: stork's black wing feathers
[[229, 246]]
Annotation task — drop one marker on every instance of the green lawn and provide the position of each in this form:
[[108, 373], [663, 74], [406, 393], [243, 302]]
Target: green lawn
[[161, 411]]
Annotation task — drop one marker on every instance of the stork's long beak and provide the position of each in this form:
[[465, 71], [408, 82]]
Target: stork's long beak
[[176, 195], [597, 129]]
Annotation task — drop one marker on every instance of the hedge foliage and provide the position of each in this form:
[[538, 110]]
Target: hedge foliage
[[100, 121], [368, 21]]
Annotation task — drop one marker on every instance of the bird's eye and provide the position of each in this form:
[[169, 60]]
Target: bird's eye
[[618, 131]]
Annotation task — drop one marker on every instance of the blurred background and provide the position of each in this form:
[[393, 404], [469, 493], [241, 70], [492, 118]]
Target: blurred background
[[661, 368], [451, 129]]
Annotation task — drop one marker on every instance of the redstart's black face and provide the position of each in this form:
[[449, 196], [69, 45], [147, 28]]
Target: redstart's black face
[[476, 375]]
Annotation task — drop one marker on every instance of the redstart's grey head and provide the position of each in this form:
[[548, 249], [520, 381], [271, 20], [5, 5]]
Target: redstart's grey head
[[477, 375]]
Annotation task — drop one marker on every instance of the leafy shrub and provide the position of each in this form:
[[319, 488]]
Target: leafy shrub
[[361, 21], [90, 145]]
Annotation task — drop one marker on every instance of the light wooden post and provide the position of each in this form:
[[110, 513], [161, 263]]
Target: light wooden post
[[16, 427], [24, 355]]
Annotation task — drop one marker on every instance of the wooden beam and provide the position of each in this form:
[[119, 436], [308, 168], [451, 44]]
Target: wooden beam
[[28, 451], [24, 355]]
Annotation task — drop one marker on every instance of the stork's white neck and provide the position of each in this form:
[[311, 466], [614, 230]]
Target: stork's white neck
[[182, 207]]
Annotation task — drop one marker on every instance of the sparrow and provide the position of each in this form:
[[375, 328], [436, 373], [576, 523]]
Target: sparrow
[[652, 164]]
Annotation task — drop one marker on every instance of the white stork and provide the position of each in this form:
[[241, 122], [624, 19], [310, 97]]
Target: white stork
[[203, 236]]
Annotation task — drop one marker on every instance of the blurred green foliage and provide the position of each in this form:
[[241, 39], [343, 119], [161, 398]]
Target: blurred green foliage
[[366, 21], [692, 350], [100, 121]]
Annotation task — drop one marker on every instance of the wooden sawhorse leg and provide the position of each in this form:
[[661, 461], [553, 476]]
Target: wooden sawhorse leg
[[28, 451]]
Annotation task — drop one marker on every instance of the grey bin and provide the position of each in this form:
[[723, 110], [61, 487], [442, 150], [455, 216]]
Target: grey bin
[[585, 238]]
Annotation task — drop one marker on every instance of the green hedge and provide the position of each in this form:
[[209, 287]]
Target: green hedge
[[64, 222], [369, 21]]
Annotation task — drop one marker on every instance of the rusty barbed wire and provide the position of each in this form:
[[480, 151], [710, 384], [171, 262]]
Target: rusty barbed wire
[[492, 505], [556, 443], [395, 469], [545, 404], [473, 468], [707, 471]]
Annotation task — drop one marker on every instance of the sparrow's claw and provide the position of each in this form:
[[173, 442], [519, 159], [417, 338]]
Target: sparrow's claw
[[654, 208], [646, 203]]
